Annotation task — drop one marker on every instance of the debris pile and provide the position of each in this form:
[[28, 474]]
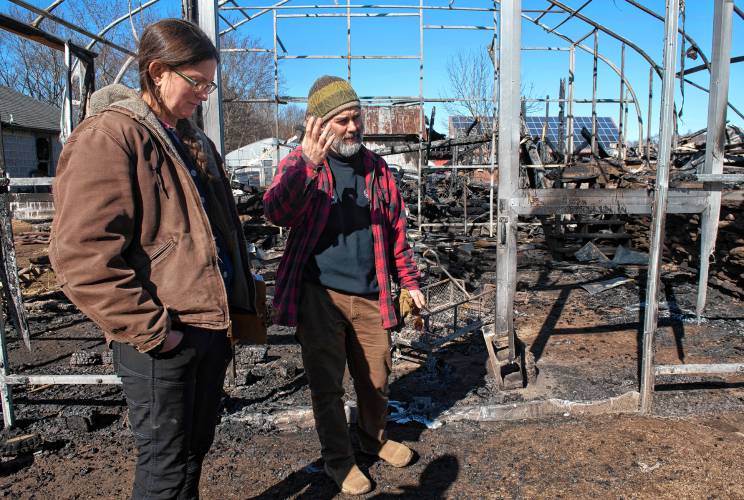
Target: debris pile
[[682, 245], [690, 151]]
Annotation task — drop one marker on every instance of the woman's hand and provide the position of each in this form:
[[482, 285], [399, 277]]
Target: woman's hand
[[316, 143], [174, 338]]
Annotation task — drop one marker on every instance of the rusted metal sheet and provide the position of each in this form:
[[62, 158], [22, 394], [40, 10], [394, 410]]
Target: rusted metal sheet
[[392, 120]]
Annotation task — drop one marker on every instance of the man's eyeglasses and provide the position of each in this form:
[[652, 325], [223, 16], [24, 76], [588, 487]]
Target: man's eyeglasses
[[209, 87]]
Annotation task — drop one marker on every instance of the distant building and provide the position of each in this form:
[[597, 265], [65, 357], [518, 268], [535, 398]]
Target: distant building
[[386, 126], [254, 164], [30, 135]]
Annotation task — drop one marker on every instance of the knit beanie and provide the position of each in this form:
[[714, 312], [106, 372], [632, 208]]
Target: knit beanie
[[330, 95]]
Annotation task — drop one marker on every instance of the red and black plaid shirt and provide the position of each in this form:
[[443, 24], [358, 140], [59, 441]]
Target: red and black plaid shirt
[[300, 198]]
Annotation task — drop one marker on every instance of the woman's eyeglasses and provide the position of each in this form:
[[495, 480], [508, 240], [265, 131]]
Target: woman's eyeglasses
[[209, 87]]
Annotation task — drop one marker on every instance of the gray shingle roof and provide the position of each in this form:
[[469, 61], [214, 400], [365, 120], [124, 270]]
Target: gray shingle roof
[[23, 111]]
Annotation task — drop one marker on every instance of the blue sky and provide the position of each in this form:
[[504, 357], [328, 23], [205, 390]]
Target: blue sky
[[541, 71]]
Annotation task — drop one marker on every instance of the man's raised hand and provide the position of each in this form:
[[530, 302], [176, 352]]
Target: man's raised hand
[[317, 142]]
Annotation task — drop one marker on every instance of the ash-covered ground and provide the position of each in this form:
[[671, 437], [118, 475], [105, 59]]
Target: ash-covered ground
[[586, 348]]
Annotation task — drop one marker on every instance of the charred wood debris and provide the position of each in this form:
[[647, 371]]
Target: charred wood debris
[[449, 195]]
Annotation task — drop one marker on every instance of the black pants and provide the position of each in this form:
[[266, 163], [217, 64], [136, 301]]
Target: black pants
[[173, 400]]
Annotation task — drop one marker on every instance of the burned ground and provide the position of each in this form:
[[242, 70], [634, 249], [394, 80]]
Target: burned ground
[[586, 347]]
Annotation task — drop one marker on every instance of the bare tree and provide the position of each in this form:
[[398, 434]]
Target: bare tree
[[471, 79], [470, 76], [246, 76], [38, 71]]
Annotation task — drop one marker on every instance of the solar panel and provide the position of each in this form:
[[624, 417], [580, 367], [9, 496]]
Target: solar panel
[[607, 131]]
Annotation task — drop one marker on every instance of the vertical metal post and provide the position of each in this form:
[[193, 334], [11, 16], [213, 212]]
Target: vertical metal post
[[348, 40], [67, 104], [208, 11], [570, 131], [715, 139], [510, 33], [421, 113], [627, 100], [544, 131], [562, 117], [5, 391], [494, 94], [594, 94], [465, 205], [666, 131], [623, 109], [649, 112], [276, 82]]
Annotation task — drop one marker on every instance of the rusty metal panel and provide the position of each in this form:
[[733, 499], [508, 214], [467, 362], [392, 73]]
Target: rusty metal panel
[[392, 120]]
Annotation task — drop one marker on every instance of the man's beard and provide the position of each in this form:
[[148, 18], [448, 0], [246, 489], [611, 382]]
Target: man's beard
[[345, 149]]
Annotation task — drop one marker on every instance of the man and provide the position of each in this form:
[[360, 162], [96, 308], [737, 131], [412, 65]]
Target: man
[[347, 238]]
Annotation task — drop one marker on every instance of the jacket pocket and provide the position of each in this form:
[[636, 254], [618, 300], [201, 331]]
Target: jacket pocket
[[162, 252]]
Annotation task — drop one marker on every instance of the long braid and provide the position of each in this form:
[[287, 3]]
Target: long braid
[[195, 147]]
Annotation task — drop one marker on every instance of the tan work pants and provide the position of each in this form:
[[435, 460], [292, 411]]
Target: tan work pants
[[335, 329]]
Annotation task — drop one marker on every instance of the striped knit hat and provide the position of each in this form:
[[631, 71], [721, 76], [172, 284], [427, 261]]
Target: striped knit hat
[[330, 95]]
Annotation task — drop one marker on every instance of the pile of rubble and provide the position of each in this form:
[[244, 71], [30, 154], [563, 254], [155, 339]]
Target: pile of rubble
[[690, 151]]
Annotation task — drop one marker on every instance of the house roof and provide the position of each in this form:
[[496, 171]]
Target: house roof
[[20, 110]]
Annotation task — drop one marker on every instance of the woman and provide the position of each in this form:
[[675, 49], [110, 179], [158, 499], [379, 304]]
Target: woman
[[146, 241]]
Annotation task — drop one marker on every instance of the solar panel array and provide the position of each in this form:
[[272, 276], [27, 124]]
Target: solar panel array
[[606, 129]]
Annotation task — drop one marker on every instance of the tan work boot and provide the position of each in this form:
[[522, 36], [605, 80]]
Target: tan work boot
[[352, 481], [394, 453]]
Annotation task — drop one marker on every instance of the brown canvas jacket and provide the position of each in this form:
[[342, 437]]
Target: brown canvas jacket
[[131, 244]]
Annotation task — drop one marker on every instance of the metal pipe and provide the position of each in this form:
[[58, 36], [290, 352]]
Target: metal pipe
[[339, 14], [715, 140], [701, 369], [583, 101], [66, 116], [276, 81], [248, 49], [419, 194], [494, 131], [621, 123], [667, 127], [419, 7], [547, 49], [684, 33], [265, 10], [650, 108], [571, 76], [51, 7], [348, 40], [456, 27], [695, 69], [346, 57], [562, 117], [6, 395], [570, 16], [594, 94], [71, 26]]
